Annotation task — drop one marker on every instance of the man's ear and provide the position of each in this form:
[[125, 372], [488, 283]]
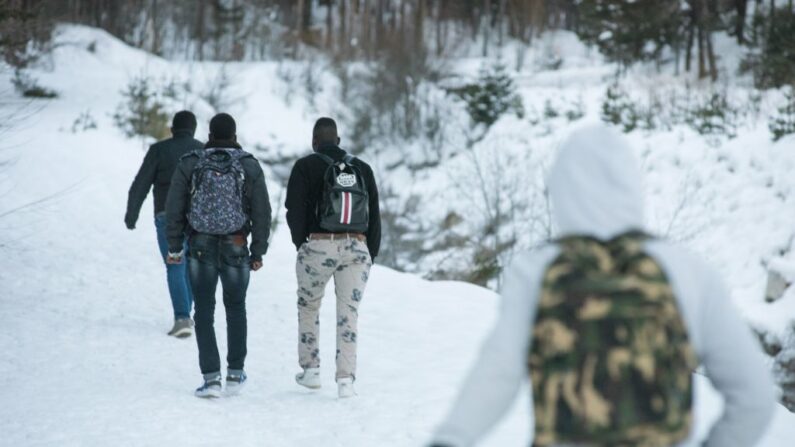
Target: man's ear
[[210, 136], [234, 138], [314, 143], [172, 130], [338, 141]]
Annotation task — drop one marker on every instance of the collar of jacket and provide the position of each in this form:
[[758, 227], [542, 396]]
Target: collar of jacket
[[182, 133], [225, 144], [332, 150]]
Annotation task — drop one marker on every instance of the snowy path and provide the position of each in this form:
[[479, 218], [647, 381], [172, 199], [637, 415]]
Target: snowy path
[[85, 311]]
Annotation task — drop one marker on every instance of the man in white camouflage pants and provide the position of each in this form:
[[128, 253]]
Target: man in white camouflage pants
[[345, 251]]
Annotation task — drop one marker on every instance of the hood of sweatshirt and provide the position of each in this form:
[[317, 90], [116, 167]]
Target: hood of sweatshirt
[[595, 185]]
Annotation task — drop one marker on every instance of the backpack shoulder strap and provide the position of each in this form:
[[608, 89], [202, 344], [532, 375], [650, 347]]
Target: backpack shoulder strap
[[240, 154], [325, 158], [629, 245], [348, 159]]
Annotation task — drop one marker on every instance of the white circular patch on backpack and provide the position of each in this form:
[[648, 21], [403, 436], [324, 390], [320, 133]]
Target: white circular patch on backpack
[[346, 180]]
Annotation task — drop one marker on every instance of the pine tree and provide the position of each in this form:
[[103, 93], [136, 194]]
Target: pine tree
[[618, 109], [776, 65], [783, 122], [142, 113], [493, 95]]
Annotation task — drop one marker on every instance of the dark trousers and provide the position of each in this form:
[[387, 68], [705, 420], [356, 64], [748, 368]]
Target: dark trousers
[[227, 258]]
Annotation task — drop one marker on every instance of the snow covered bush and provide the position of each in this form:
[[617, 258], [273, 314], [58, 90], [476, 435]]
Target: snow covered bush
[[782, 123], [29, 86], [619, 110], [85, 121], [493, 95], [142, 113], [216, 91], [713, 117]]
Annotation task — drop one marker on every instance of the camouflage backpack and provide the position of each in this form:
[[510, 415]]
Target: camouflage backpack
[[610, 361], [217, 190]]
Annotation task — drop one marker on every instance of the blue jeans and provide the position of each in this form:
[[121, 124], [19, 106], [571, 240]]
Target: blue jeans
[[178, 279], [225, 258]]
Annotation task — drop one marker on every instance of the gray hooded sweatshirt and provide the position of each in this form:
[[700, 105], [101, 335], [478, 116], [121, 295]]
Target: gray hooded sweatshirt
[[595, 187]]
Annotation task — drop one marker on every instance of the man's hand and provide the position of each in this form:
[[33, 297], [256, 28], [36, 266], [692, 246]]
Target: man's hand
[[129, 223], [175, 258], [256, 265]]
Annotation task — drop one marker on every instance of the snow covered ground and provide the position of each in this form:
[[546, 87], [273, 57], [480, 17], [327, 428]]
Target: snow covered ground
[[84, 307]]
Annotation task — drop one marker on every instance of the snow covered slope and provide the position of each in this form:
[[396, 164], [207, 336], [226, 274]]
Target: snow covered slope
[[84, 307]]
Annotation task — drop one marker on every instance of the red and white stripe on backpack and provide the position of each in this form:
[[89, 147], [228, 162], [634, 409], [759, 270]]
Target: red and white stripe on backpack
[[347, 209]]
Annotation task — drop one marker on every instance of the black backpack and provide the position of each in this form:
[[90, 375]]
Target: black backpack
[[344, 205]]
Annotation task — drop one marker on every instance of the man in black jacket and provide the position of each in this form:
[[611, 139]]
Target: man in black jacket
[[158, 167], [215, 255], [347, 256]]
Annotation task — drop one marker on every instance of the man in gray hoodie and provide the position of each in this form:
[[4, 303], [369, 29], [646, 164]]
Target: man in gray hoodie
[[596, 191]]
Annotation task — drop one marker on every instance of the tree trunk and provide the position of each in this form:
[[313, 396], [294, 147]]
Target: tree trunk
[[344, 40], [379, 24], [366, 39], [702, 71], [486, 26], [329, 26], [499, 22], [306, 17], [419, 27], [438, 24], [739, 29], [713, 69], [201, 31], [691, 31], [298, 27], [155, 29]]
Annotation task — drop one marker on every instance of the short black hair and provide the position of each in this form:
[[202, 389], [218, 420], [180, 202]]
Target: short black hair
[[325, 131], [223, 127], [184, 120]]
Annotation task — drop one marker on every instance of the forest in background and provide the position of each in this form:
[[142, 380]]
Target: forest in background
[[680, 32]]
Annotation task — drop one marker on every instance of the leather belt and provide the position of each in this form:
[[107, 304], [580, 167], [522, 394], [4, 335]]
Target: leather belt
[[338, 236]]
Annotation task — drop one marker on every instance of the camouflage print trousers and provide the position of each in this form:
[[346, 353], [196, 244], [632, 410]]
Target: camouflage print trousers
[[348, 261]]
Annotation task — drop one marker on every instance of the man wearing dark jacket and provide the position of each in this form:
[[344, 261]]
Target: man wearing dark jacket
[[197, 198], [323, 253], [158, 167]]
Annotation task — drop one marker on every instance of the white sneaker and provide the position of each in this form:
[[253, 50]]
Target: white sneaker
[[345, 387], [235, 383], [210, 389], [310, 378]]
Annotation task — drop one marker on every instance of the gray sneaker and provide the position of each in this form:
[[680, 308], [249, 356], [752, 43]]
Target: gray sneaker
[[183, 328]]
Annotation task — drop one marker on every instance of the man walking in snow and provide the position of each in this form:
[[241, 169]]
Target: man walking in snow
[[158, 167], [607, 324], [334, 218], [218, 196]]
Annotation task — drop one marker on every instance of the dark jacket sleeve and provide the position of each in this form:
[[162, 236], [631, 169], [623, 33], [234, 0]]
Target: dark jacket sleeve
[[259, 213], [140, 187], [374, 229], [177, 205], [297, 204]]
